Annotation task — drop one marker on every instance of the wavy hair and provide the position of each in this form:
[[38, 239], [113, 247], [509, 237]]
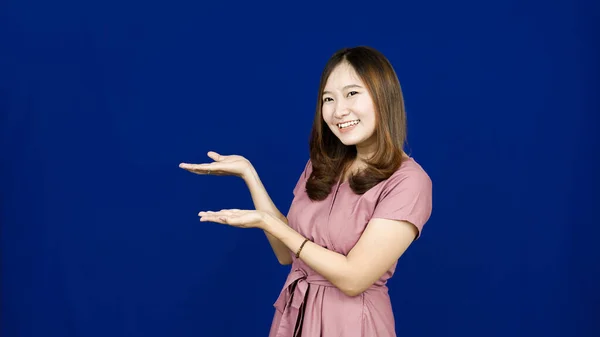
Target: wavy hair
[[330, 158]]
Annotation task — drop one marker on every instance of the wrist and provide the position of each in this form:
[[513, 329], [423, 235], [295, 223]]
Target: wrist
[[248, 173], [269, 222]]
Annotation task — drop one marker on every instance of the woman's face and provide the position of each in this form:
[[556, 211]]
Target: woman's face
[[348, 109]]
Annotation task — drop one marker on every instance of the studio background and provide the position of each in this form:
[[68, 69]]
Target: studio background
[[100, 102]]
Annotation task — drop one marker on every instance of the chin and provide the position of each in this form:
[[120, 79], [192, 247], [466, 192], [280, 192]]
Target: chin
[[349, 141]]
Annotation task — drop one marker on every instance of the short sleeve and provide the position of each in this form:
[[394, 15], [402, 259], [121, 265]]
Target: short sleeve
[[301, 183], [406, 197]]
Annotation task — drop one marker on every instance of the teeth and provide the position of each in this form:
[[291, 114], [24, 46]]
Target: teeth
[[347, 124]]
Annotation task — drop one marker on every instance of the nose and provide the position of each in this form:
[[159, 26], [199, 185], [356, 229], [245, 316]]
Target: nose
[[341, 110]]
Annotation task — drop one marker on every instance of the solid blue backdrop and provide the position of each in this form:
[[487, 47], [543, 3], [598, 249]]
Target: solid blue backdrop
[[101, 101]]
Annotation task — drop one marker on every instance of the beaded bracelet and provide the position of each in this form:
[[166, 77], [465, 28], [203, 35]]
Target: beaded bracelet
[[300, 249]]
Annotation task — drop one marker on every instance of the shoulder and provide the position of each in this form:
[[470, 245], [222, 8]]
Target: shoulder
[[308, 168], [410, 177], [406, 195], [301, 182]]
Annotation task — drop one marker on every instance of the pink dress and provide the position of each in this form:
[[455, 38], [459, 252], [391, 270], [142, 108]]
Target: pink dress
[[309, 305]]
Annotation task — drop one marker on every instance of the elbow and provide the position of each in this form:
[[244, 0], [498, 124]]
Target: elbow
[[353, 289], [352, 293], [284, 261]]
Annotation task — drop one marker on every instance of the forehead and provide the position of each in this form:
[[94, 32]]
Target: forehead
[[342, 75]]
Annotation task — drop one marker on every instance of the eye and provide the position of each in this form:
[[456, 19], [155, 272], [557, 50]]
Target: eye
[[327, 99], [352, 93]]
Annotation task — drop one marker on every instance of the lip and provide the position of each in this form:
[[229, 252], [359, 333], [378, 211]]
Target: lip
[[352, 120], [348, 129]]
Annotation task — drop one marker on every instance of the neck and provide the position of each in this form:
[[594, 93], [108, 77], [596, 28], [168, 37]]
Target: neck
[[360, 163], [364, 154]]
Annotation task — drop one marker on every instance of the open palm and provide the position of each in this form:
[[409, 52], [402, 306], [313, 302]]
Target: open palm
[[222, 165], [235, 217]]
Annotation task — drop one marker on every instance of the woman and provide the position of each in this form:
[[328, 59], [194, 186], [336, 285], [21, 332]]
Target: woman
[[358, 205]]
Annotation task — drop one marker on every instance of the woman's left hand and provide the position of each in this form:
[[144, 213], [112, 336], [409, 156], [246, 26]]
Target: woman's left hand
[[236, 217]]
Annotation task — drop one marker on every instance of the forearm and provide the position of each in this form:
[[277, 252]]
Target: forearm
[[333, 266], [262, 202], [261, 199]]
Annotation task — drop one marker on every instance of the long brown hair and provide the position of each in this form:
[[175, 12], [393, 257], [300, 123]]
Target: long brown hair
[[329, 156]]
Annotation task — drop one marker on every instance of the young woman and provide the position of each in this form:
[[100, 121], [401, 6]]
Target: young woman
[[358, 205]]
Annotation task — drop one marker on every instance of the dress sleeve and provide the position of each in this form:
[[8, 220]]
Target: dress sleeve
[[406, 197], [301, 184]]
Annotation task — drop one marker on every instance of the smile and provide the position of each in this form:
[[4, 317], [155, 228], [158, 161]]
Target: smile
[[348, 124]]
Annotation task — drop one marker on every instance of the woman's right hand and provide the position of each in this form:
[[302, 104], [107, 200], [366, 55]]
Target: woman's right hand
[[222, 165]]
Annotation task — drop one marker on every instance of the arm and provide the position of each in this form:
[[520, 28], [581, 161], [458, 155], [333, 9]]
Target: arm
[[239, 166], [402, 210], [262, 202], [380, 246], [406, 197]]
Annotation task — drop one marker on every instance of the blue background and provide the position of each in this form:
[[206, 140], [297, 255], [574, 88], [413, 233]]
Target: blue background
[[100, 102]]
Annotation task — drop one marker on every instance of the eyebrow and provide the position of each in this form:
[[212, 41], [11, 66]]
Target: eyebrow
[[345, 88]]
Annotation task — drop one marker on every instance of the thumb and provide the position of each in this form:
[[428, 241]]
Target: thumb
[[214, 156]]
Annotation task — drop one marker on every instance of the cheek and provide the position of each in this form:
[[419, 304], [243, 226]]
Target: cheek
[[326, 112], [369, 119], [368, 112]]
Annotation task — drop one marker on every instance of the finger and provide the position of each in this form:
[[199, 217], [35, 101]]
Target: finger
[[215, 156], [199, 168], [190, 167], [229, 210], [221, 220], [226, 213], [224, 217], [193, 166], [212, 216]]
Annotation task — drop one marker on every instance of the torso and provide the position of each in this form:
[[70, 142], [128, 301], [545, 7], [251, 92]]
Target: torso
[[336, 223]]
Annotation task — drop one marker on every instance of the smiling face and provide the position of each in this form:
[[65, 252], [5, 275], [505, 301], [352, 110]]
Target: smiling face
[[348, 109]]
